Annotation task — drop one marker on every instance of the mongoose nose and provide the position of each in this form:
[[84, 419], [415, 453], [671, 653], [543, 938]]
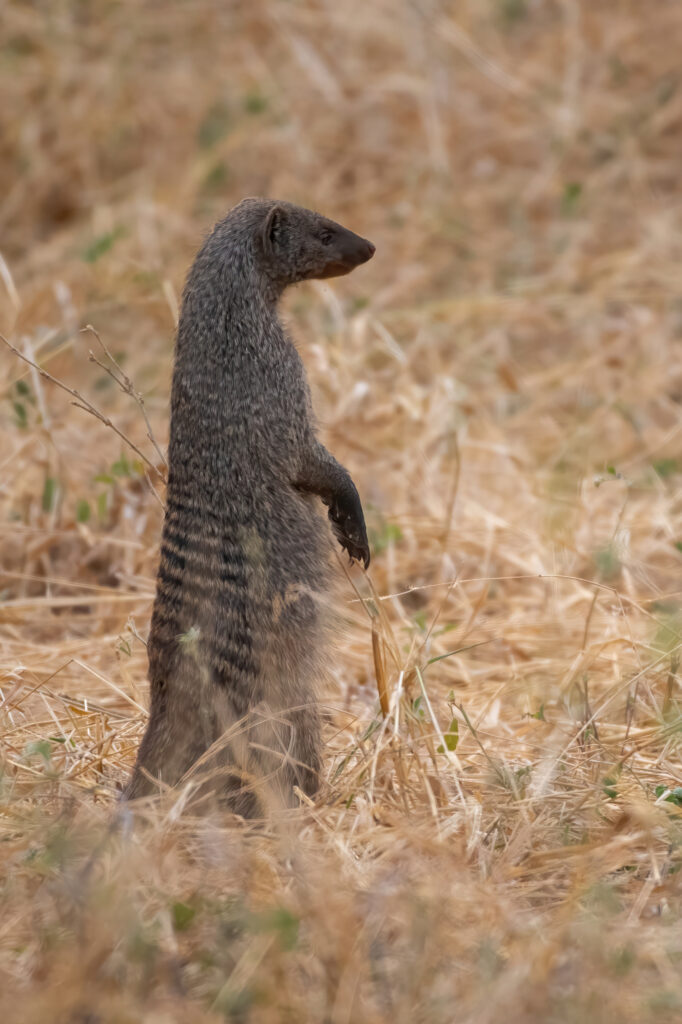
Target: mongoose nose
[[367, 250]]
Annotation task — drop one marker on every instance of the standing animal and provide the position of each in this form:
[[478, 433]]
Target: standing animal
[[238, 626]]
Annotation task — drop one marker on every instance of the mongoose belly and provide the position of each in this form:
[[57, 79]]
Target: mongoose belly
[[229, 592]]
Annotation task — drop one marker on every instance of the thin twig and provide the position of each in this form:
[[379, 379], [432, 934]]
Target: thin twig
[[126, 385], [83, 403]]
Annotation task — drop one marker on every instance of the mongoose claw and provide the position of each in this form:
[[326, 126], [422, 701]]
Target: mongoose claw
[[351, 534], [357, 553]]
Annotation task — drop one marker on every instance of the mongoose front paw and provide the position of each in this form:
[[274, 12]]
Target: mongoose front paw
[[349, 527]]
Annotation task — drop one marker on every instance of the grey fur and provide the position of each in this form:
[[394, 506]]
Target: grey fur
[[238, 623]]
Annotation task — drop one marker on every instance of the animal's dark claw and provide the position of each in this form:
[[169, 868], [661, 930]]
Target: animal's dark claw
[[348, 524]]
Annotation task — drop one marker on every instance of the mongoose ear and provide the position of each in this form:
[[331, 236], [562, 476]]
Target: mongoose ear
[[272, 227]]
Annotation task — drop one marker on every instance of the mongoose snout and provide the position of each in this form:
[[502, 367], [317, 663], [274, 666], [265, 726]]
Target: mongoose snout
[[350, 251]]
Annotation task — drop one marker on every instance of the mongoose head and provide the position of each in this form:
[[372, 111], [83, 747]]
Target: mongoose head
[[299, 244], [291, 244]]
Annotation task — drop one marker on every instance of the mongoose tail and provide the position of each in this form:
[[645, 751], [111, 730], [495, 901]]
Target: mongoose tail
[[239, 623]]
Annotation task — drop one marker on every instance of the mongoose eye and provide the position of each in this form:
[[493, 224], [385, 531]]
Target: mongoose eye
[[326, 238]]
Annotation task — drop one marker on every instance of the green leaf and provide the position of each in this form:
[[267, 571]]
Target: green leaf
[[49, 493], [83, 510], [41, 748], [215, 125], [384, 535], [420, 621], [669, 630], [255, 102], [569, 200], [183, 915], [371, 728], [101, 245], [20, 414], [121, 467], [102, 505], [673, 797], [451, 737], [449, 654], [666, 467], [216, 177], [540, 714], [607, 562], [282, 922], [513, 10], [666, 88]]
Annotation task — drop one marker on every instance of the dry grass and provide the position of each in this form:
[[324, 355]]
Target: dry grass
[[504, 382]]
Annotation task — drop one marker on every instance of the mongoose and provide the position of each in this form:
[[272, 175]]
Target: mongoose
[[237, 629]]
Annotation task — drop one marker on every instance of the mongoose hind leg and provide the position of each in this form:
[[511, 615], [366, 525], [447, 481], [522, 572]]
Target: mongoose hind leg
[[306, 759], [290, 742], [172, 743]]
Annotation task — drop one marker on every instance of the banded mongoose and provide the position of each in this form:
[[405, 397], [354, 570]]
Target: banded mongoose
[[237, 629]]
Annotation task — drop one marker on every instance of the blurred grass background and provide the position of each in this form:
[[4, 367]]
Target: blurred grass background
[[504, 382]]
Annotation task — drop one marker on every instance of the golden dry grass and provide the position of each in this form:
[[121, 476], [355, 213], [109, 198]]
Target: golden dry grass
[[504, 382]]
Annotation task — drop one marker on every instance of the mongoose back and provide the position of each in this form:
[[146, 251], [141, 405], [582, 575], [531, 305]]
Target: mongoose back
[[237, 631]]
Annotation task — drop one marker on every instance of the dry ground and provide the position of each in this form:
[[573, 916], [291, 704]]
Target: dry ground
[[504, 382]]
